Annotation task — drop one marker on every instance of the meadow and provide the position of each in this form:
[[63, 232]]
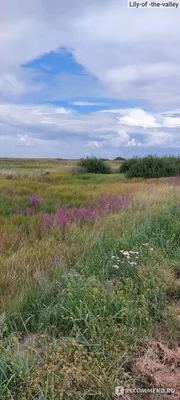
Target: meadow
[[90, 282]]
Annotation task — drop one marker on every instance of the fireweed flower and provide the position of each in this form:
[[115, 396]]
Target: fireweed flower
[[35, 201], [28, 210], [47, 221], [115, 266], [132, 263]]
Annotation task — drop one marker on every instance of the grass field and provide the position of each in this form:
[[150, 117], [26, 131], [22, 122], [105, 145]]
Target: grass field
[[90, 282]]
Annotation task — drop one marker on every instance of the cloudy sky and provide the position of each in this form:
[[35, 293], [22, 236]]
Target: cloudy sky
[[88, 77]]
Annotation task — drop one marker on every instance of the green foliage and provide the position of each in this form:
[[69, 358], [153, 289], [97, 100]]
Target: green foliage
[[151, 167], [76, 312], [72, 303], [94, 165], [119, 159], [126, 165], [92, 311]]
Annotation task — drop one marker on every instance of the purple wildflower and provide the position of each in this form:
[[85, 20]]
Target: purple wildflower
[[47, 221], [133, 263], [115, 266], [61, 217], [111, 203], [28, 210], [35, 201]]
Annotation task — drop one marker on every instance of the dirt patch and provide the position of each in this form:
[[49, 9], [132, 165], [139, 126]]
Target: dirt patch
[[161, 366]]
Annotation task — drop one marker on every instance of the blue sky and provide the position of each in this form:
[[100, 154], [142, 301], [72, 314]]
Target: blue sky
[[81, 78]]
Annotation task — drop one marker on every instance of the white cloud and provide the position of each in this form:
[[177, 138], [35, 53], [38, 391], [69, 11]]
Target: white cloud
[[23, 140], [121, 47], [85, 103], [48, 124], [94, 144], [171, 122], [139, 118]]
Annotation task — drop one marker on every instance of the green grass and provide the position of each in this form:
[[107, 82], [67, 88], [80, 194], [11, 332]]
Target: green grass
[[87, 321]]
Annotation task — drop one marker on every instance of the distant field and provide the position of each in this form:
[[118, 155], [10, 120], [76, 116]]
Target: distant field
[[89, 282], [39, 166]]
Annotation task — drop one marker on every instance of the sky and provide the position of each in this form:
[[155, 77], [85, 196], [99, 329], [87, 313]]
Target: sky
[[87, 77]]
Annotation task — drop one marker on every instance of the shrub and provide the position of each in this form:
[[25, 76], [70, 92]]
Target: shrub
[[94, 165], [126, 165], [151, 167], [119, 159]]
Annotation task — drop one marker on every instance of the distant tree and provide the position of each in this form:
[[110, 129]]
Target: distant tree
[[119, 159]]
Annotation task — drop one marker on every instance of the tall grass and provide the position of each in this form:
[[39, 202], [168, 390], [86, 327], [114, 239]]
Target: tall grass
[[80, 304]]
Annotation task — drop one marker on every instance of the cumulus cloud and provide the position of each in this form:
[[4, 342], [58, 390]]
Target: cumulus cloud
[[121, 47], [171, 122], [23, 140], [139, 118], [33, 125], [125, 54]]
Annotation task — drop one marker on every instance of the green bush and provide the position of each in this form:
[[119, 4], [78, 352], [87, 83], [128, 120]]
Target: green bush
[[151, 167], [125, 166], [94, 165], [119, 159]]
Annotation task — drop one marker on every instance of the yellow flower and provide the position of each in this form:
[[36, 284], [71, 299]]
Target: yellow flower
[[95, 289], [123, 314]]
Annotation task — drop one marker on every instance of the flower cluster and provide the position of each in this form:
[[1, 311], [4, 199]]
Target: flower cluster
[[131, 257], [35, 201], [48, 221], [105, 203], [64, 216], [28, 210]]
